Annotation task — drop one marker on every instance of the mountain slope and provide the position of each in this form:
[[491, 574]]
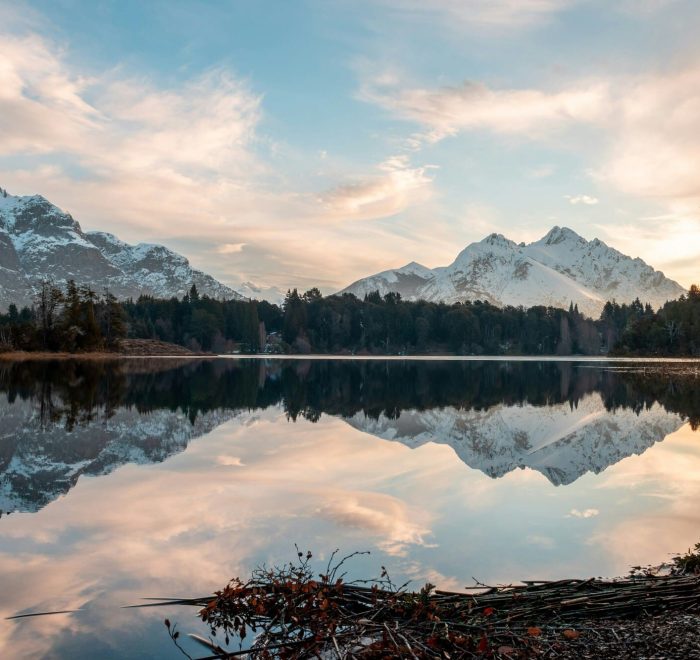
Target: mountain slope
[[406, 281], [560, 268], [39, 241]]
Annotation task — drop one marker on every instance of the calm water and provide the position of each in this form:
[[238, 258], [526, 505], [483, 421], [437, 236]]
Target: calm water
[[166, 478]]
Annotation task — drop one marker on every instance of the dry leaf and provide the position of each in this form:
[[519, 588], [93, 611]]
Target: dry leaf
[[571, 634]]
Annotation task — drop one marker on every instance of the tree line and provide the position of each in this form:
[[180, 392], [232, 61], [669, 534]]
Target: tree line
[[77, 319], [74, 319]]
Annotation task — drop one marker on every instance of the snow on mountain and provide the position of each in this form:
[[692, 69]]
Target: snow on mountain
[[560, 268], [272, 294], [561, 441], [406, 280], [38, 241]]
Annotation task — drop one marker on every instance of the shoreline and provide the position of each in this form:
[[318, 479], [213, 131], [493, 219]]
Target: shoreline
[[23, 356]]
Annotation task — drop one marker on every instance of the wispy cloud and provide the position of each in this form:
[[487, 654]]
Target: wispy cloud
[[648, 157], [494, 14], [445, 111], [394, 187], [128, 126]]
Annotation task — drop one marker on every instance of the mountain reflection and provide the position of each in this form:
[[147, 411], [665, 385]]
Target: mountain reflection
[[61, 420]]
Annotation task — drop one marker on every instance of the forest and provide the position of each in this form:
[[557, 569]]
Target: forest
[[76, 319]]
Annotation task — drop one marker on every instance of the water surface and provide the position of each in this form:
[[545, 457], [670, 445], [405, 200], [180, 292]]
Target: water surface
[[167, 477]]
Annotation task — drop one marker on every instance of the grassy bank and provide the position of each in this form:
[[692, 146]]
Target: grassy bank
[[125, 348]]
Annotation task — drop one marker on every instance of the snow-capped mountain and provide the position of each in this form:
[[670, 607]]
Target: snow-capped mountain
[[272, 294], [560, 268], [408, 281], [561, 441], [40, 241]]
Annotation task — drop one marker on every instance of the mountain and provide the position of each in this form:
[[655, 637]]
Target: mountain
[[563, 442], [560, 268], [39, 241], [272, 294], [408, 281]]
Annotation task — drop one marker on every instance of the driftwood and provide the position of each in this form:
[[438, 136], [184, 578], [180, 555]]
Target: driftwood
[[290, 613]]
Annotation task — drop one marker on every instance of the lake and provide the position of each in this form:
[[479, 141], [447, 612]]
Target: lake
[[164, 478]]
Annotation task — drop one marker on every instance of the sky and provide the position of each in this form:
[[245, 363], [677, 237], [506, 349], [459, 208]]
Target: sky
[[310, 143]]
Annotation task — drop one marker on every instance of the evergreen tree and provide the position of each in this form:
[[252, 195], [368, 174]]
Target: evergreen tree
[[113, 326], [294, 316], [91, 337]]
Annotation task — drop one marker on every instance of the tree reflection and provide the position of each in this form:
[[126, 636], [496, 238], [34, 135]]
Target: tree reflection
[[62, 419]]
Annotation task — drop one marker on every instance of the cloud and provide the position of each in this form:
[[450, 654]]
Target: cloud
[[587, 513], [170, 159], [230, 461], [582, 199], [644, 7], [652, 123], [128, 126], [396, 186], [445, 111], [230, 248], [656, 138], [41, 107], [493, 14]]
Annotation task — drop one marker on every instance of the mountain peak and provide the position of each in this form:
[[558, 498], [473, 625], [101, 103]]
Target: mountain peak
[[414, 268], [558, 235], [498, 240], [8, 199]]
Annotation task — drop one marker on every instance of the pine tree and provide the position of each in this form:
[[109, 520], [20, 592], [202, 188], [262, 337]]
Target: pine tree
[[294, 316], [113, 326], [92, 339]]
